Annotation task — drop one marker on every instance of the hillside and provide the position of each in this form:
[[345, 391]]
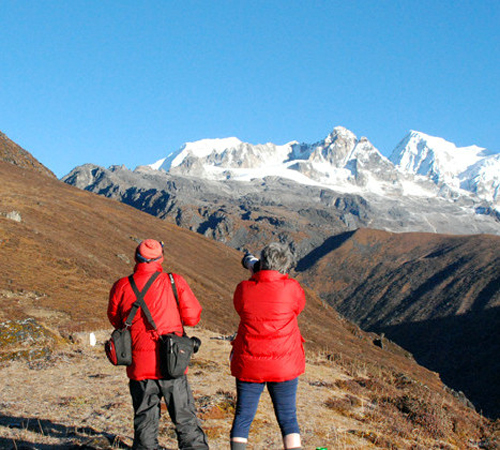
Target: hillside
[[74, 399], [14, 154], [438, 296], [61, 248]]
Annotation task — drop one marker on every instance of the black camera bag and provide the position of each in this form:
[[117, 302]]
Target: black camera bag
[[175, 354], [175, 351], [119, 348]]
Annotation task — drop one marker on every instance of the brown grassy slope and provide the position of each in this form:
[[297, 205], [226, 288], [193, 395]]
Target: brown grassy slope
[[76, 399], [436, 295], [368, 274], [58, 263], [71, 245], [14, 154]]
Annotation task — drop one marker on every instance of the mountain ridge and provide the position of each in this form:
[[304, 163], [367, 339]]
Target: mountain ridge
[[392, 195], [473, 169], [302, 215], [341, 159], [436, 295]]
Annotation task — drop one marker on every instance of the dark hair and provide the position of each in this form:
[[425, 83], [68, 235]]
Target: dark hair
[[276, 256]]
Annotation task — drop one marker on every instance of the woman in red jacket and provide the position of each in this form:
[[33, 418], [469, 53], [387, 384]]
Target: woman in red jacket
[[147, 385], [268, 347]]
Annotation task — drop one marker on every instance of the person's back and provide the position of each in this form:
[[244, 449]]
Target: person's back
[[147, 384], [268, 350], [163, 307], [268, 345]]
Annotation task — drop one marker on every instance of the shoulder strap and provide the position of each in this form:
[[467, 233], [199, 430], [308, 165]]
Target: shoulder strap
[[174, 287], [140, 300], [176, 295]]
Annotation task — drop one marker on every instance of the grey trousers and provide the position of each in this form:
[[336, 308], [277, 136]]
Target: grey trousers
[[146, 400]]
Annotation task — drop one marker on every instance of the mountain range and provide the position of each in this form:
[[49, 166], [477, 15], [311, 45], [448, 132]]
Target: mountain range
[[242, 194], [345, 163]]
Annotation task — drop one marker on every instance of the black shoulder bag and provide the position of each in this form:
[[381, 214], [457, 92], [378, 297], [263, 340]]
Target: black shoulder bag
[[119, 347], [176, 351]]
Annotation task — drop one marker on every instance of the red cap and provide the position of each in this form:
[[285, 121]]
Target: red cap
[[150, 250]]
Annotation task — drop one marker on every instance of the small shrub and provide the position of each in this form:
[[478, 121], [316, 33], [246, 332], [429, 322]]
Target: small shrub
[[339, 404], [25, 339], [349, 386], [423, 414], [343, 405], [321, 383], [374, 438], [401, 380], [219, 406]]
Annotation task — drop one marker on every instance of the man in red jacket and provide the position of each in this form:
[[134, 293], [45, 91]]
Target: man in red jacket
[[147, 385]]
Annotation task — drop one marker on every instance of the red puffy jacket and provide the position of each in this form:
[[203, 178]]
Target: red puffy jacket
[[163, 307], [268, 346]]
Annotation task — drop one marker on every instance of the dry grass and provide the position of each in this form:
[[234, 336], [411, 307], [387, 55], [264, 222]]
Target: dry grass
[[75, 399]]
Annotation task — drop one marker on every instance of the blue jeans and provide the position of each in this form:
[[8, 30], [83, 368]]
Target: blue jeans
[[283, 394]]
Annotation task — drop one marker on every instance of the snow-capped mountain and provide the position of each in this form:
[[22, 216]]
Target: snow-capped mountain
[[472, 169], [420, 166], [241, 193], [340, 161]]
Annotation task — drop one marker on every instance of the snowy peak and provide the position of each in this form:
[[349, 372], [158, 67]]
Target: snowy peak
[[341, 147], [483, 179], [336, 160], [421, 154], [198, 149], [206, 147], [471, 168], [335, 149], [215, 155]]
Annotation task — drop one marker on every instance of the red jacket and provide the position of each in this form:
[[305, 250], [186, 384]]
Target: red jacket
[[163, 307], [268, 346]]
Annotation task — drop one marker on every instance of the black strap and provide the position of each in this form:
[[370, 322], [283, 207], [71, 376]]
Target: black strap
[[140, 300], [141, 303], [174, 288]]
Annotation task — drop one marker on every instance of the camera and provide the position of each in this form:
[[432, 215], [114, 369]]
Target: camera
[[250, 262], [196, 343]]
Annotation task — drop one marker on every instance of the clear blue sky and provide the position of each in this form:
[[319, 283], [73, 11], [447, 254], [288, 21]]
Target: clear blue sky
[[126, 82]]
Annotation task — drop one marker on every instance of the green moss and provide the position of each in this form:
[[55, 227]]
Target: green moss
[[25, 339]]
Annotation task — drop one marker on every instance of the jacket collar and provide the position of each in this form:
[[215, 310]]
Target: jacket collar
[[269, 275], [148, 267]]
